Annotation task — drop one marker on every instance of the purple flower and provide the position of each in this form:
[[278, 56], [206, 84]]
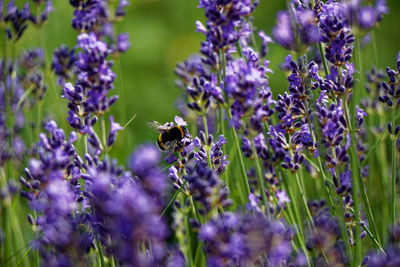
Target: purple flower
[[96, 17], [223, 242], [283, 32], [123, 43], [17, 18], [234, 239], [224, 27], [364, 17], [126, 216], [40, 19], [144, 163], [339, 85], [247, 85], [360, 114], [89, 95], [296, 27], [95, 72], [30, 72], [192, 67], [64, 60], [265, 40], [336, 33], [324, 239], [206, 188], [392, 256], [282, 197], [120, 11], [202, 93], [8, 191], [391, 89], [114, 129], [54, 192], [88, 14]]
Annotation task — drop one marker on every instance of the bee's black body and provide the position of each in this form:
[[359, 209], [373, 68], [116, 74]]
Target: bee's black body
[[174, 134]]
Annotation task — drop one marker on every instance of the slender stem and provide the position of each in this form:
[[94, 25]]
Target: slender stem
[[243, 175], [260, 177], [376, 243], [320, 166], [225, 176], [100, 251], [380, 139], [16, 228], [304, 200], [359, 184], [207, 145], [393, 206], [355, 173], [358, 89], [342, 219], [375, 47], [49, 74], [197, 255], [103, 133], [189, 242], [23, 257], [193, 209], [321, 51], [173, 199], [300, 189], [122, 106], [295, 216], [238, 183]]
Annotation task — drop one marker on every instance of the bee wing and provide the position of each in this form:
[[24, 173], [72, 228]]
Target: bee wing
[[170, 145], [155, 125]]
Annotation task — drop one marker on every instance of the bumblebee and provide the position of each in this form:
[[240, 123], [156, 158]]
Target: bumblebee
[[170, 135]]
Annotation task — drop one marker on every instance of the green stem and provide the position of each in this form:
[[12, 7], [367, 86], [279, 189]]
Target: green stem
[[295, 216], [243, 176], [375, 47], [380, 139], [189, 242], [300, 189], [320, 166], [225, 176], [173, 199], [260, 177], [358, 89], [376, 243], [393, 206], [50, 78], [16, 228], [198, 256], [103, 133], [100, 251], [321, 51], [304, 200], [342, 219], [123, 98], [39, 116], [355, 174], [207, 145], [23, 257], [359, 186]]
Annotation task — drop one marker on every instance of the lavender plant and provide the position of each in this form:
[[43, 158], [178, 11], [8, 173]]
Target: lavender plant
[[258, 175]]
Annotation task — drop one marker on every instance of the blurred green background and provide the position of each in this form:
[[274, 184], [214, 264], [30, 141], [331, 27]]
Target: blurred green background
[[162, 34]]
